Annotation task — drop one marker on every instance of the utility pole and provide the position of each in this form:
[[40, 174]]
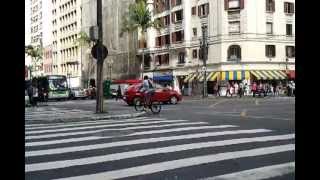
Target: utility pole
[[99, 100], [204, 47]]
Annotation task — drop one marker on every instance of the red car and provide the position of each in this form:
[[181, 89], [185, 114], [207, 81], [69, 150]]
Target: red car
[[162, 94]]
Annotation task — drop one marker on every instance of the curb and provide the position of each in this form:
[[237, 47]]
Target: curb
[[61, 120]]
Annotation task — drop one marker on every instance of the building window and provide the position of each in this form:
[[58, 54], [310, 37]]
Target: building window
[[233, 4], [167, 20], [234, 53], [288, 8], [289, 29], [269, 28], [178, 2], [194, 30], [290, 51], [167, 39], [270, 51], [177, 36], [203, 10], [234, 27], [177, 16], [270, 6], [195, 54], [194, 11], [181, 56]]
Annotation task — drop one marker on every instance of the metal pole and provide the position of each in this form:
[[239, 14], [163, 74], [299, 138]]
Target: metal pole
[[99, 102], [205, 53]]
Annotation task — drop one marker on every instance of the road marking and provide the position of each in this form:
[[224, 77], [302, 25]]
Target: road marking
[[219, 102], [133, 134], [97, 131], [102, 126], [63, 124], [139, 141], [146, 152], [105, 122], [187, 162], [265, 172]]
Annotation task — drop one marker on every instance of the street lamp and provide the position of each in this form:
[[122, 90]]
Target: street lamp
[[110, 62], [204, 47]]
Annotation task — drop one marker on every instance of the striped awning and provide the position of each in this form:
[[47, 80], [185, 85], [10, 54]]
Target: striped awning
[[192, 76], [234, 75], [211, 76], [269, 74]]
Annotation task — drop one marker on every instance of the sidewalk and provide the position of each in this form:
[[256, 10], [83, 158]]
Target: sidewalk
[[233, 97], [62, 113]]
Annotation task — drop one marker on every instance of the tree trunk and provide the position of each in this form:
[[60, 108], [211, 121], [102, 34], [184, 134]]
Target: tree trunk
[[128, 70]]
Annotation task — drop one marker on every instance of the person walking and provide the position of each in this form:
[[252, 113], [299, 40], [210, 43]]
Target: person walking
[[119, 94], [218, 90], [228, 90], [241, 88], [30, 94], [236, 88], [254, 89]]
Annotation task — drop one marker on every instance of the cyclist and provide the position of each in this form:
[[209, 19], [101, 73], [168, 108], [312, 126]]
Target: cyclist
[[147, 89]]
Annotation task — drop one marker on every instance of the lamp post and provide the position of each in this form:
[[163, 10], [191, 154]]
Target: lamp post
[[204, 47], [110, 62]]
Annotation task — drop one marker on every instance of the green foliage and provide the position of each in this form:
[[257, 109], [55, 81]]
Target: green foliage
[[35, 53], [83, 39]]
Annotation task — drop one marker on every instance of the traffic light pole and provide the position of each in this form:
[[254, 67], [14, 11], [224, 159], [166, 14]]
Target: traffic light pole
[[99, 95]]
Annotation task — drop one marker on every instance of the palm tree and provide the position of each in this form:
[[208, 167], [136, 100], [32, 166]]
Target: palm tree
[[139, 18], [84, 41], [35, 53]]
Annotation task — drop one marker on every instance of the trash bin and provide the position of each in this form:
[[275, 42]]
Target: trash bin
[[106, 89]]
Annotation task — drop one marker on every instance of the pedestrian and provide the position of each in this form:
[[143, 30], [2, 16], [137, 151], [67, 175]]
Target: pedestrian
[[241, 88], [119, 94], [236, 88], [254, 89], [30, 94], [218, 90], [228, 89], [34, 95], [275, 87]]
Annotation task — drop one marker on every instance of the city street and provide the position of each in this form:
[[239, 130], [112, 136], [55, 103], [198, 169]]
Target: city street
[[224, 138]]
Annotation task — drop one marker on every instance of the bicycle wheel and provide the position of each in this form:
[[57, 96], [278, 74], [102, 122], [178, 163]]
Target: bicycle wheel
[[139, 105], [155, 107]]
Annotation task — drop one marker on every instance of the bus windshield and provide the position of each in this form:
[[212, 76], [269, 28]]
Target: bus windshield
[[57, 84]]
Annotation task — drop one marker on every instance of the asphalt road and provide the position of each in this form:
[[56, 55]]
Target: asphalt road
[[225, 138]]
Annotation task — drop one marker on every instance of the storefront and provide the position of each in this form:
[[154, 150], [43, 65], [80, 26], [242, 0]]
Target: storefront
[[244, 76]]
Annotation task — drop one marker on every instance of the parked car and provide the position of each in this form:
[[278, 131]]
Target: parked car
[[78, 93], [162, 94]]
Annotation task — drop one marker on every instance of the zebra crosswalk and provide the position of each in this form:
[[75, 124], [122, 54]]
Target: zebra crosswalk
[[51, 113], [155, 148]]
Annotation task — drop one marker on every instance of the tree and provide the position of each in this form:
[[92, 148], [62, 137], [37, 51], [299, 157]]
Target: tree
[[139, 18], [84, 41], [35, 53]]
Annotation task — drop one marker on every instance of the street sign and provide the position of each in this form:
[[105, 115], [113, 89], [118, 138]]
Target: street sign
[[102, 50]]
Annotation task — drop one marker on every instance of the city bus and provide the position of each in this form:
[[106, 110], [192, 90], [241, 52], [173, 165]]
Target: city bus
[[53, 86]]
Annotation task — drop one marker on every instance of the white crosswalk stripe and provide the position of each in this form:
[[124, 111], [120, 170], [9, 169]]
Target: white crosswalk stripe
[[55, 113], [152, 145]]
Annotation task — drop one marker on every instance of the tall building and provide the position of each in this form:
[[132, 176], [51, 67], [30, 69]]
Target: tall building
[[247, 40], [66, 53], [40, 29], [121, 62]]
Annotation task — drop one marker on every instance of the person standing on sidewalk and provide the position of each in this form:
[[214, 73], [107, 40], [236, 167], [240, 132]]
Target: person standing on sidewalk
[[236, 89], [241, 89], [228, 89], [119, 95], [254, 89]]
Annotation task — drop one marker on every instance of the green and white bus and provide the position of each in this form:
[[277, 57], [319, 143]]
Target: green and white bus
[[53, 86]]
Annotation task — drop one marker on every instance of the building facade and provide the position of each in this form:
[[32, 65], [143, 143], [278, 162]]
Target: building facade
[[47, 60], [66, 53], [247, 40], [121, 62]]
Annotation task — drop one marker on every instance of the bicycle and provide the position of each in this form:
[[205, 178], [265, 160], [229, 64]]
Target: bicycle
[[141, 105]]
